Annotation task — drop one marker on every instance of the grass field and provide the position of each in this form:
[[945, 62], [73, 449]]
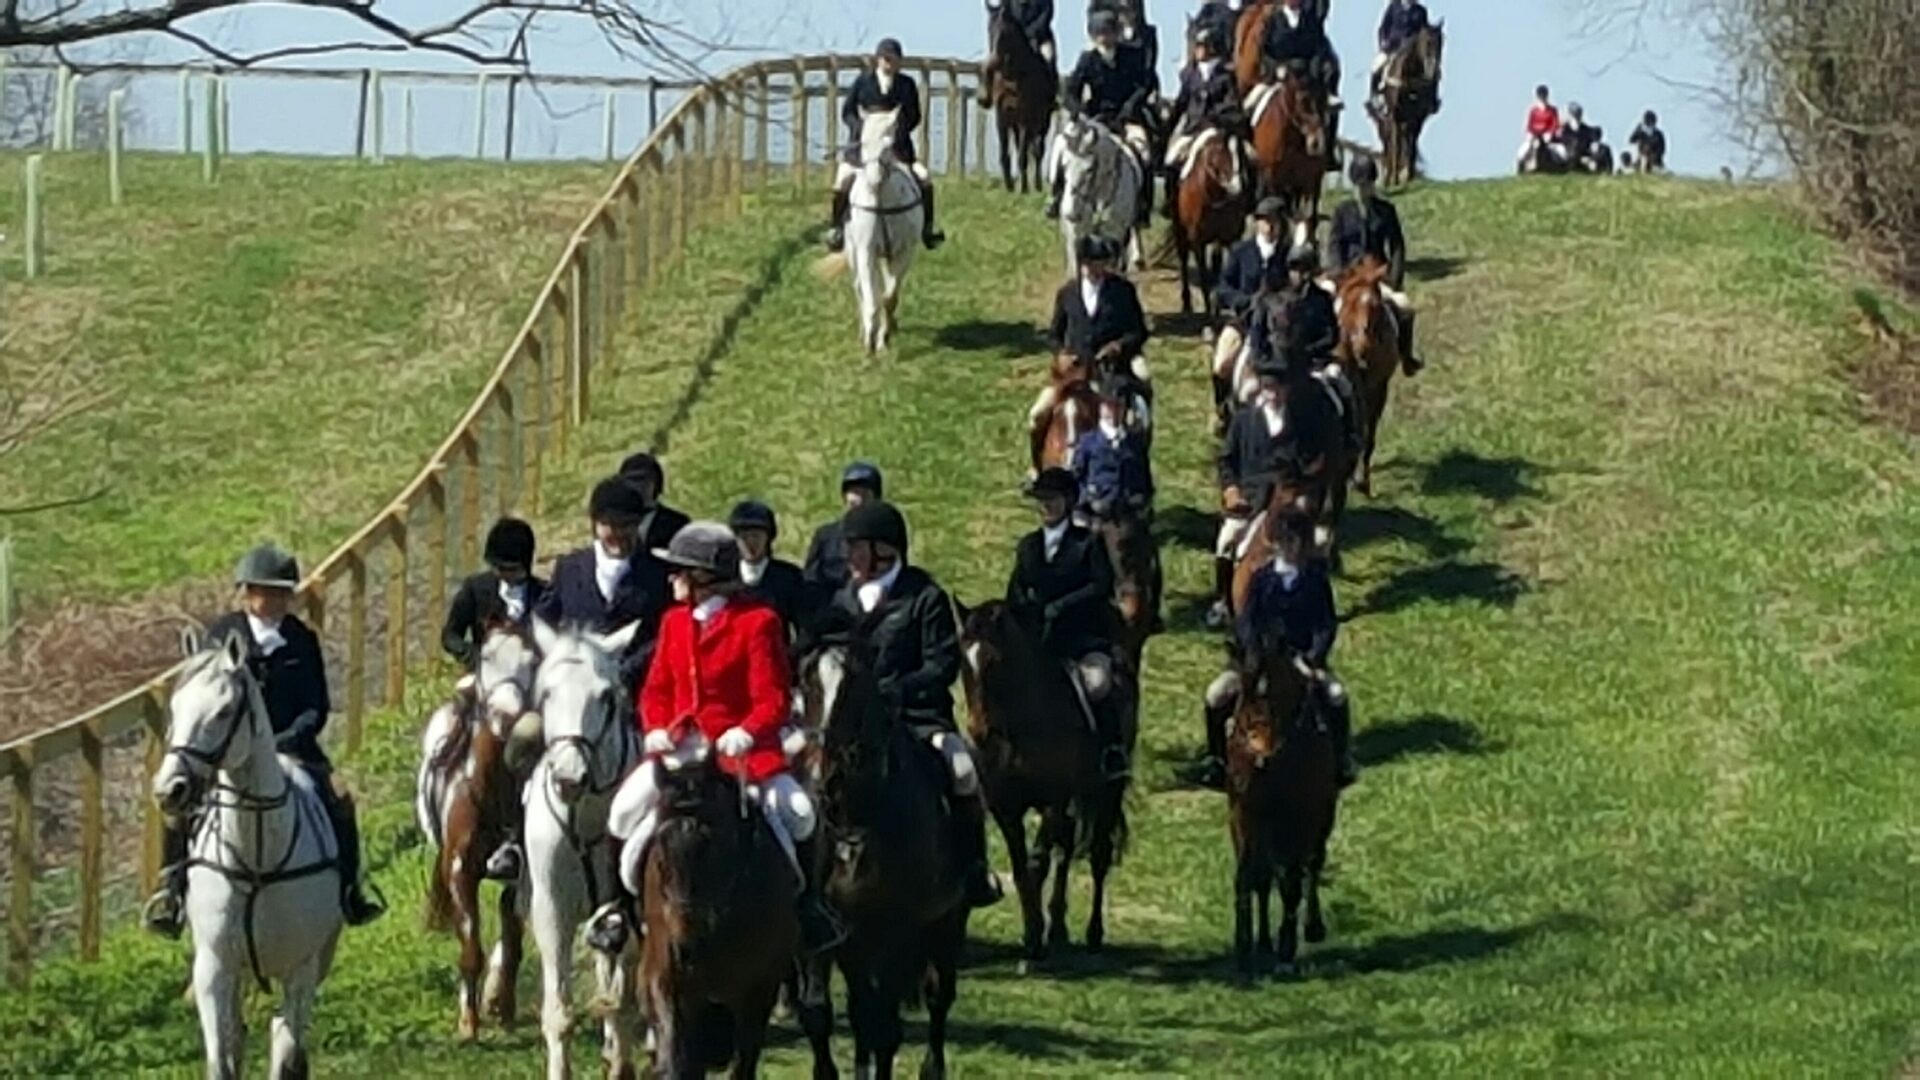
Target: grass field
[[1631, 635], [277, 353]]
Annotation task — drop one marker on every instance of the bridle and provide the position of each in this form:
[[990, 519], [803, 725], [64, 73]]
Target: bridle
[[590, 747], [211, 763]]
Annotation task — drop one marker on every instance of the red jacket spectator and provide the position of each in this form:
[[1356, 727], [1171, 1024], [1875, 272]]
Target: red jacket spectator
[[1543, 121], [730, 672]]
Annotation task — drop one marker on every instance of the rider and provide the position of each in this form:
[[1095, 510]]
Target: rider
[[1543, 124], [1368, 224], [1400, 23], [909, 623], [884, 88], [1209, 99], [1110, 462], [1063, 582], [1241, 281], [284, 656], [1035, 19], [1297, 41], [1138, 34], [605, 586], [1291, 599], [661, 522], [506, 591], [825, 568], [1650, 142], [1109, 85], [775, 581], [723, 674], [1578, 137], [1098, 318]]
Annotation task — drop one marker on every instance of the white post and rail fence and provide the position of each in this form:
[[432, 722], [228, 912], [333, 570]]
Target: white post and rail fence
[[766, 125]]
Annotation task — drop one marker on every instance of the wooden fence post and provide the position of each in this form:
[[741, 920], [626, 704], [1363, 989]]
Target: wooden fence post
[[513, 101], [23, 868], [560, 318], [955, 115], [763, 126], [926, 114], [153, 710], [186, 112], [653, 105], [62, 84], [480, 116], [469, 447], [115, 190], [377, 118], [702, 162], [680, 188], [577, 332], [607, 136], [210, 145], [406, 122], [92, 826], [356, 646], [797, 126], [534, 361], [226, 119], [36, 238], [396, 622], [832, 118], [436, 563], [360, 118]]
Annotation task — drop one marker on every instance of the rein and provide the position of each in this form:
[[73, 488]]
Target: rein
[[590, 749]]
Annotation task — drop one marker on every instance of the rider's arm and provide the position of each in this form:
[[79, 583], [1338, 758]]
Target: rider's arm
[[769, 677], [1099, 583], [1134, 320], [456, 636], [1321, 616], [1233, 291], [939, 646], [1057, 332], [1016, 590], [909, 93], [659, 692], [850, 108], [1077, 85]]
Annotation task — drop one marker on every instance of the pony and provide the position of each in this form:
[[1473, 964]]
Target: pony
[[1409, 97], [467, 802], [894, 874], [885, 214], [263, 893], [1290, 133], [1038, 753], [1249, 35], [1104, 185], [717, 902], [1282, 793], [1209, 216], [1370, 350], [590, 743], [1025, 89], [1066, 409]]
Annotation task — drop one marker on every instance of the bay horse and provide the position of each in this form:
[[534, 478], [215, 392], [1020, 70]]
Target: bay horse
[[1370, 350], [263, 879], [1282, 793], [1290, 133], [1023, 95], [721, 935], [467, 803], [894, 875], [1410, 96], [1249, 34], [1038, 754], [1209, 216], [1066, 409], [1138, 585]]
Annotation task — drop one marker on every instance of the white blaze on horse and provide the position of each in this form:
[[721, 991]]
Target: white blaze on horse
[[263, 885], [885, 220], [1104, 185], [586, 717]]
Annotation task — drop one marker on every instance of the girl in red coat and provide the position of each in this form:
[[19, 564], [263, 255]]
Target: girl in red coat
[[720, 684]]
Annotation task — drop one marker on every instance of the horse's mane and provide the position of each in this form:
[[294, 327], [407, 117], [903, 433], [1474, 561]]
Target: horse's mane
[[1366, 275], [1011, 650], [698, 804]]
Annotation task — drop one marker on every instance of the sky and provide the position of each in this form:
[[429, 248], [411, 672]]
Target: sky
[[1498, 50]]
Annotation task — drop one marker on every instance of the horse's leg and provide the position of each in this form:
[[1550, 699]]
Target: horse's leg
[[1316, 931], [1026, 878], [1100, 861], [216, 990], [943, 965], [887, 1029], [861, 999], [1376, 410], [1290, 888], [815, 994], [460, 862], [750, 1017], [1180, 249], [553, 935], [296, 1015], [498, 999], [1263, 897], [1244, 883], [1058, 936]]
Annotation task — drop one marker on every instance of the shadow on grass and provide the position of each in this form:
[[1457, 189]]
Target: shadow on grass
[[1009, 338], [1435, 267], [1186, 613], [1418, 736], [1371, 524], [1186, 527], [1463, 472], [1452, 582]]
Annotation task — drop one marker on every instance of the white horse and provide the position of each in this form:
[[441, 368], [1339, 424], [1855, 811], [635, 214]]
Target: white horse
[[884, 219], [263, 890], [1104, 182], [587, 718]]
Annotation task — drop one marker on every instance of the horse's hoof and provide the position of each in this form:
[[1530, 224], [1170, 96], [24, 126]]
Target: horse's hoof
[[468, 1029], [1316, 933], [1285, 969], [1096, 939], [1058, 939]]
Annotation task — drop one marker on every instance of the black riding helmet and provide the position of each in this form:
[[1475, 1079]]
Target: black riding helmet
[[1096, 248], [876, 523], [1303, 256], [616, 502], [644, 465], [1102, 21], [890, 48], [510, 543], [863, 474], [754, 514], [1054, 482], [1363, 171]]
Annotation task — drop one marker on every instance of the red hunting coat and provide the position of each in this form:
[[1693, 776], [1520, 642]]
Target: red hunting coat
[[732, 672]]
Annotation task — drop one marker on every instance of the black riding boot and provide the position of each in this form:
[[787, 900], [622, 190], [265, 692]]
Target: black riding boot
[[1408, 362], [505, 862], [1333, 141], [1222, 402], [1171, 203], [821, 928], [1059, 192], [165, 911], [609, 925], [1221, 613], [837, 222], [1339, 713], [930, 233], [1213, 770], [1157, 577], [359, 908], [969, 822]]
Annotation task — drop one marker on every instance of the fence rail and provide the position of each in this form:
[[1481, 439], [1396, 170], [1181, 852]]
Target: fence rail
[[744, 132]]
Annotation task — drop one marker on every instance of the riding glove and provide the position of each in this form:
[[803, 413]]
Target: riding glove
[[658, 741], [735, 742]]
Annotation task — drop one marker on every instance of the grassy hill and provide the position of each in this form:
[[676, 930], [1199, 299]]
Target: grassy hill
[[1630, 635]]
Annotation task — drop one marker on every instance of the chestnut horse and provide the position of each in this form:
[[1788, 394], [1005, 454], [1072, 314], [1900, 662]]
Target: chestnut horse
[[1209, 216], [1282, 793], [1410, 96], [1067, 409], [1290, 132], [1249, 61], [1023, 95], [1037, 753], [717, 899], [1370, 351]]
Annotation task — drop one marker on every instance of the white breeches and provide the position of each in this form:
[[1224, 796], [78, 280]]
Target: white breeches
[[1233, 362], [959, 758], [1095, 672], [1401, 301], [1234, 532], [1380, 62], [1047, 50], [846, 174], [783, 802]]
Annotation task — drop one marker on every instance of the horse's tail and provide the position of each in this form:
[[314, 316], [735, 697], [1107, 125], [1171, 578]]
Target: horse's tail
[[437, 913]]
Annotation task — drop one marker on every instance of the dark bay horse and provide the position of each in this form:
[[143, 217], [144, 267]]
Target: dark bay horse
[[1134, 553], [1209, 216], [1290, 133], [1023, 95], [894, 874], [1037, 753], [1410, 96], [1282, 792], [717, 899], [1370, 350]]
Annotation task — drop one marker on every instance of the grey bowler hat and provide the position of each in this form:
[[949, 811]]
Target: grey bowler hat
[[703, 545], [267, 566]]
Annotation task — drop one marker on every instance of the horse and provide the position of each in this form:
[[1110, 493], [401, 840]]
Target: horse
[[885, 213], [1290, 132], [1313, 489], [1134, 553], [717, 902], [1038, 753], [1104, 184], [1282, 793], [894, 874], [467, 802], [1249, 37], [1370, 350], [1410, 96], [263, 893], [1025, 90], [1209, 216], [590, 743], [1066, 410]]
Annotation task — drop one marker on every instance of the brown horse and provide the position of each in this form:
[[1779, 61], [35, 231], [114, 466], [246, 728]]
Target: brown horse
[[1370, 349], [1067, 409], [1037, 753], [469, 801], [1249, 61], [1410, 96], [895, 874], [1023, 95], [716, 895], [1209, 216], [1138, 585], [1282, 793], [1290, 133]]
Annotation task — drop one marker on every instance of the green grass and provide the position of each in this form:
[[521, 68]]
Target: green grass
[[1631, 645], [278, 352]]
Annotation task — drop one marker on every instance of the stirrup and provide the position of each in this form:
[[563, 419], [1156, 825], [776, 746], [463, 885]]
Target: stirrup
[[607, 929], [163, 914], [504, 864], [359, 908], [836, 238]]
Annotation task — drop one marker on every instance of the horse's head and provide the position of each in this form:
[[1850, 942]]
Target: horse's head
[[1273, 698], [213, 718], [993, 633], [876, 145], [582, 705], [1306, 110], [503, 678]]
